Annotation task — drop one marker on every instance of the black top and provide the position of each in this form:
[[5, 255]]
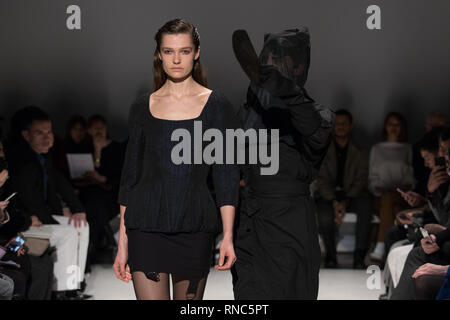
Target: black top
[[161, 196], [38, 197]]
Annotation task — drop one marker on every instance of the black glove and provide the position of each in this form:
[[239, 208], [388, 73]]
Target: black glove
[[276, 84]]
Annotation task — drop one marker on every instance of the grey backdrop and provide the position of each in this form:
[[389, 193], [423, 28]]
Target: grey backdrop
[[405, 66]]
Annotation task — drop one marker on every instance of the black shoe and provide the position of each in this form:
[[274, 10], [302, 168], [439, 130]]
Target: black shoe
[[59, 295], [359, 265], [77, 295], [383, 296], [358, 259], [331, 263]]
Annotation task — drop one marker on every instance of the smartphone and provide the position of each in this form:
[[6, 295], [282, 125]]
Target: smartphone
[[440, 161], [10, 196], [16, 244], [426, 235]]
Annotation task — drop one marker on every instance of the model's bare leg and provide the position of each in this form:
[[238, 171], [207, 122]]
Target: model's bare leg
[[153, 287], [184, 289]]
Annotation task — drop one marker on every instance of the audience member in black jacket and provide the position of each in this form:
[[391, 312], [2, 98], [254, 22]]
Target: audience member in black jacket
[[34, 279], [40, 188], [437, 253]]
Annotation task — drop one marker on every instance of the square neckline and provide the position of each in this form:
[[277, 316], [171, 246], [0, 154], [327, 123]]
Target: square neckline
[[179, 120]]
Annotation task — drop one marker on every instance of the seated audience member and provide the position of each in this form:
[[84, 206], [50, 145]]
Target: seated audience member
[[429, 150], [434, 119], [438, 186], [99, 188], [37, 272], [435, 251], [75, 141], [40, 187], [342, 187], [390, 168], [432, 145]]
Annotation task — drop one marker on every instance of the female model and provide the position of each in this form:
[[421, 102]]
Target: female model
[[168, 217]]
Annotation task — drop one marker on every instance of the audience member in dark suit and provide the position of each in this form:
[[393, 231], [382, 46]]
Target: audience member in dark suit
[[36, 273], [342, 187], [40, 189]]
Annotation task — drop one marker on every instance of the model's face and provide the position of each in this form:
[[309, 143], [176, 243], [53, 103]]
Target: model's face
[[177, 55], [428, 159], [98, 129], [77, 133], [393, 128], [39, 136], [342, 126]]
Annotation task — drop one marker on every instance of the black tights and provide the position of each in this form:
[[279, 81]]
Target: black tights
[[155, 286]]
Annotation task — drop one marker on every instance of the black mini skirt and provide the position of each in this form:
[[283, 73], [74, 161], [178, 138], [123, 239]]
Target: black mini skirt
[[186, 254]]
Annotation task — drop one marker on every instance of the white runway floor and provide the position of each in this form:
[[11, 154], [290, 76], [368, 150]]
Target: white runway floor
[[335, 284]]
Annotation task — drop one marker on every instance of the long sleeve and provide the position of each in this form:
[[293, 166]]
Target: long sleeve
[[325, 179], [129, 175], [27, 182], [312, 121], [442, 237], [226, 176], [362, 173], [440, 206]]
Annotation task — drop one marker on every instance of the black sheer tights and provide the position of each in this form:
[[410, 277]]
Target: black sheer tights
[[155, 286]]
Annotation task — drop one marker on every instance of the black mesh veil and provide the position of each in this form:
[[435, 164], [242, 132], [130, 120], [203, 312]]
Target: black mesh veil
[[289, 52]]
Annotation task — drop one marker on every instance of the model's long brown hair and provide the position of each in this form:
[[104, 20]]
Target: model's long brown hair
[[177, 26]]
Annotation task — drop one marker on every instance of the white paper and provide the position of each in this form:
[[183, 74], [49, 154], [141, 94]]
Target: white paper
[[79, 163]]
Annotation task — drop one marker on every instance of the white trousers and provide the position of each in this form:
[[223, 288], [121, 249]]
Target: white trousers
[[71, 251]]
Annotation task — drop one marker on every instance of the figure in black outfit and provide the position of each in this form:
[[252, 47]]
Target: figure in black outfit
[[277, 241], [168, 217], [99, 188]]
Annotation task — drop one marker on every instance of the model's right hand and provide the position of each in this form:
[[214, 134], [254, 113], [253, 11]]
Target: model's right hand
[[121, 267]]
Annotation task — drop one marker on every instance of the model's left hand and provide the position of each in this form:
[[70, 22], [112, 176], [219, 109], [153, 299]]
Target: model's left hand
[[77, 219], [226, 250], [430, 269]]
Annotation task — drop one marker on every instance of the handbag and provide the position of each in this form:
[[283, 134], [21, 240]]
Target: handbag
[[36, 246]]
